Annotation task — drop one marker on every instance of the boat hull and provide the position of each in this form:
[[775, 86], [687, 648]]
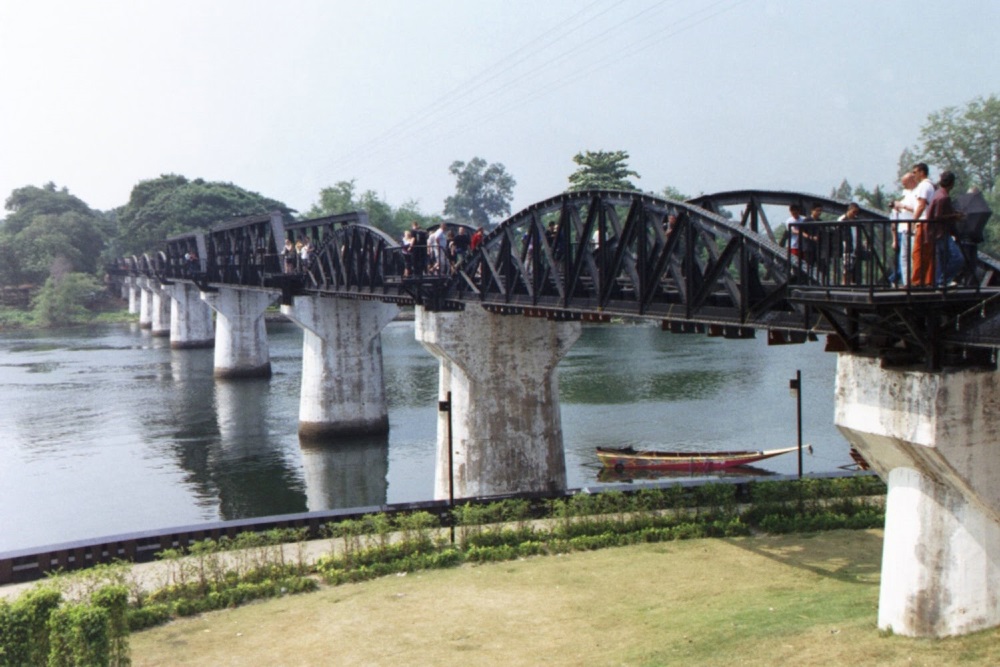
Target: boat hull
[[627, 459]]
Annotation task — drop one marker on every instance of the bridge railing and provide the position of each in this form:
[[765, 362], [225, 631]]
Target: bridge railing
[[878, 255]]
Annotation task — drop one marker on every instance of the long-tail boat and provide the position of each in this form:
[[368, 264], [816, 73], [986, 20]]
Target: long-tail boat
[[628, 458]]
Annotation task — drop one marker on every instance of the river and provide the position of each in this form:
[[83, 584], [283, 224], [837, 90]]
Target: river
[[106, 430]]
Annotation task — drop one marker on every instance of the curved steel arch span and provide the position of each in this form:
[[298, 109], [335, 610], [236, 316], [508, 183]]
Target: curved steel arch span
[[603, 253]]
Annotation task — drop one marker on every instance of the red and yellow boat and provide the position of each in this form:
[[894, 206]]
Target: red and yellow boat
[[627, 458]]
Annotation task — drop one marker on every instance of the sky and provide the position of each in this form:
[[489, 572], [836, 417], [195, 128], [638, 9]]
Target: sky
[[287, 97]]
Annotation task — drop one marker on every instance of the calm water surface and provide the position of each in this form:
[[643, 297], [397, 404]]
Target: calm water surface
[[107, 430]]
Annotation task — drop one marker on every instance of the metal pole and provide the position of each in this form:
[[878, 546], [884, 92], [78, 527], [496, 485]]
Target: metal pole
[[445, 406], [798, 415], [795, 386]]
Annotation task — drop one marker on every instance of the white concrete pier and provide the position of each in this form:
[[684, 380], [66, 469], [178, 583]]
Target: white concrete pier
[[134, 294], [934, 438], [240, 333], [191, 324], [506, 426], [343, 390], [159, 309], [145, 303]]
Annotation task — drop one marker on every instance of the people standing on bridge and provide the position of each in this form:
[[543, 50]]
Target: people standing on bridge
[[477, 238], [823, 246], [407, 252], [438, 242], [924, 243], [460, 245], [795, 231], [419, 248], [288, 255], [850, 244], [305, 254], [942, 214], [902, 243]]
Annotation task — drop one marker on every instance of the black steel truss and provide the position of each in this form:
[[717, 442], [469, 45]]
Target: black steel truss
[[698, 265]]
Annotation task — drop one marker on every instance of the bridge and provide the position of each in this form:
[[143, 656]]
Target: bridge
[[916, 388]]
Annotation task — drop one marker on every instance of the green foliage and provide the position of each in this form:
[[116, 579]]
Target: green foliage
[[80, 636], [964, 140], [114, 600], [482, 191], [671, 192], [48, 230], [602, 170], [342, 198], [24, 627], [172, 204], [14, 318], [63, 300]]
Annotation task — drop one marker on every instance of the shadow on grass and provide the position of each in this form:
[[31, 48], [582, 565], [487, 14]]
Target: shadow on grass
[[850, 556]]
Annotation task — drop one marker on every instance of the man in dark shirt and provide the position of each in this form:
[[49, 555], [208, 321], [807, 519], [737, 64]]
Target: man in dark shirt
[[419, 248], [942, 214], [460, 245]]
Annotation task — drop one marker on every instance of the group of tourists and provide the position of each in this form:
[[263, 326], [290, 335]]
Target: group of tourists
[[928, 251], [439, 252], [834, 253], [296, 256]]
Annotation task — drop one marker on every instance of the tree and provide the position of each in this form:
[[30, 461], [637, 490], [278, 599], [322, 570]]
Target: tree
[[670, 192], [48, 227], [967, 142], [876, 198], [172, 204], [64, 298], [341, 198], [481, 191], [843, 191], [333, 200], [602, 170]]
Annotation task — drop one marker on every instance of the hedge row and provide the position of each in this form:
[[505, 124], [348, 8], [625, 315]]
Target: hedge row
[[85, 618]]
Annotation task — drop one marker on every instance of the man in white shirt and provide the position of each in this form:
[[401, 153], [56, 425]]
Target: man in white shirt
[[923, 241]]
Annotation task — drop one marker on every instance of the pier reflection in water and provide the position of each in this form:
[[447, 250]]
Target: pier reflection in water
[[108, 430]]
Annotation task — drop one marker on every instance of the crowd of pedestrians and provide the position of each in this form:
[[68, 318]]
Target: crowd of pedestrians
[[928, 250], [437, 253]]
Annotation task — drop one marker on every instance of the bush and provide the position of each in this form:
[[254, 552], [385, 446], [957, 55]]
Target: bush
[[80, 636], [114, 600], [61, 301], [24, 627]]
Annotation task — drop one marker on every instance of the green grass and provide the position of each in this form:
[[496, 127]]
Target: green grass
[[801, 600]]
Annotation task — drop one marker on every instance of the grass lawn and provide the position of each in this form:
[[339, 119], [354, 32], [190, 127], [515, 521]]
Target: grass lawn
[[797, 600]]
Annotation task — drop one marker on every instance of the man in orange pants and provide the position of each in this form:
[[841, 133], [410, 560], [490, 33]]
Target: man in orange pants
[[924, 240]]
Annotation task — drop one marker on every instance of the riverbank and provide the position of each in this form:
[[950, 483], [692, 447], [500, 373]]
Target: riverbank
[[806, 600]]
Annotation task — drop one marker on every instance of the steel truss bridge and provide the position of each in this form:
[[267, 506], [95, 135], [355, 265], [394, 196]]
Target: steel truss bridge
[[712, 265]]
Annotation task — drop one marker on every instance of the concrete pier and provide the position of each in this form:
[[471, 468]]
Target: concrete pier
[[506, 426], [933, 437], [191, 323], [343, 390], [159, 310], [240, 333], [134, 294], [145, 303]]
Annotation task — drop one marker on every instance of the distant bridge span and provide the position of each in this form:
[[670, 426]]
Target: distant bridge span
[[720, 269]]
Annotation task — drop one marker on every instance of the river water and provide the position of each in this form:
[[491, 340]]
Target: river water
[[107, 430]]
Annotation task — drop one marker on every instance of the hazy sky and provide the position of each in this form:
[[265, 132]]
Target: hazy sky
[[287, 97]]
